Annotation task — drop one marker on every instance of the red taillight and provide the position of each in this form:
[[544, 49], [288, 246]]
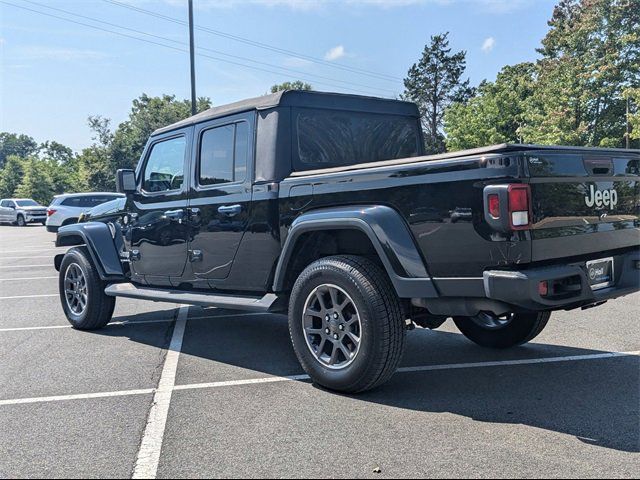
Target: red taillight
[[50, 211], [494, 205], [519, 207], [518, 198], [543, 288]]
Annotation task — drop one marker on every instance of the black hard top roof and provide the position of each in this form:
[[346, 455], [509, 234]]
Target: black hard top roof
[[300, 98]]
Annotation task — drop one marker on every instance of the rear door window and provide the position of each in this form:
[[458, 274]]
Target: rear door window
[[223, 154]]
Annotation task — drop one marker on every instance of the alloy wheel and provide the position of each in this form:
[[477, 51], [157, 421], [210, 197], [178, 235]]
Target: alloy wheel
[[332, 327], [491, 321], [75, 289]]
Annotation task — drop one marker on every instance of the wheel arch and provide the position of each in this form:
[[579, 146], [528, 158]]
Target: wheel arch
[[99, 241], [69, 221], [389, 240]]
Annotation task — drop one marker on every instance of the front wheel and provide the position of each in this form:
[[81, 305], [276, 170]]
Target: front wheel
[[84, 302], [506, 331], [346, 324], [20, 221]]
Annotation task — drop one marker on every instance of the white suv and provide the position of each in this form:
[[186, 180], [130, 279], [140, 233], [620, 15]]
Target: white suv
[[66, 209]]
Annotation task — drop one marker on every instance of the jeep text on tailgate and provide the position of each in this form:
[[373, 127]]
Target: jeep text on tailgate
[[323, 206]]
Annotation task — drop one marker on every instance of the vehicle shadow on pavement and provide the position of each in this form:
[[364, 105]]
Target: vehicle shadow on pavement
[[595, 400]]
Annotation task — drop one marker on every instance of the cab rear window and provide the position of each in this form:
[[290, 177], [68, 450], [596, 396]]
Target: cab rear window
[[332, 138]]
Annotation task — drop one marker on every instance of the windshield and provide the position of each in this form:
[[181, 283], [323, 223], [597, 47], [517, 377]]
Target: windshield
[[27, 203]]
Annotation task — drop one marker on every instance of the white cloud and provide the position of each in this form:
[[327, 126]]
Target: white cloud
[[335, 53], [296, 62], [488, 44], [61, 54]]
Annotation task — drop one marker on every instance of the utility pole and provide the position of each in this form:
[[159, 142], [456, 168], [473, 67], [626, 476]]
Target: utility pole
[[192, 60]]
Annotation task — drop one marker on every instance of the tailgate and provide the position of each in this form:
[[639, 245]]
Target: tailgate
[[583, 203]]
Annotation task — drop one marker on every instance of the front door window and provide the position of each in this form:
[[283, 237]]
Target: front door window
[[164, 170]]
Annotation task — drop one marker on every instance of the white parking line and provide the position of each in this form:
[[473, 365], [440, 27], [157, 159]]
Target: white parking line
[[276, 379], [55, 327], [26, 278], [28, 266], [30, 296], [33, 249], [133, 322], [81, 396], [148, 458], [235, 383], [528, 361], [22, 258]]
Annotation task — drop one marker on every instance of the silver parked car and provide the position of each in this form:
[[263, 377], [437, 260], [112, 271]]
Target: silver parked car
[[66, 209], [20, 211]]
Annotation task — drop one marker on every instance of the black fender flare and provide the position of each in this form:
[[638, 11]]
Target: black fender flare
[[389, 234], [100, 243]]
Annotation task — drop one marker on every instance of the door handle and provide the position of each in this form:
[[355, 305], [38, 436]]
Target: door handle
[[177, 215], [230, 210]]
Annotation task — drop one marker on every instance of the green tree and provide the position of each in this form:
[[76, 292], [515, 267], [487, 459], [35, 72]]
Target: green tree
[[36, 182], [496, 114], [14, 144], [433, 83], [96, 160], [56, 151], [147, 114], [633, 94], [11, 175], [589, 56], [297, 85]]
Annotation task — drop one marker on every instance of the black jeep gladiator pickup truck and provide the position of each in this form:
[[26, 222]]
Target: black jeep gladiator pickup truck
[[324, 206]]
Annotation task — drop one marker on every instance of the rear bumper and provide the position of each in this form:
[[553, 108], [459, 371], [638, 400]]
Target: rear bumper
[[520, 288], [52, 228]]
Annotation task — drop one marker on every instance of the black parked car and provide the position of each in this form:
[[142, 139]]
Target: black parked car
[[323, 206]]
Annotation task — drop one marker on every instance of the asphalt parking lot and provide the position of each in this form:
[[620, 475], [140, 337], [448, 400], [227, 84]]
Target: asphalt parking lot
[[187, 392]]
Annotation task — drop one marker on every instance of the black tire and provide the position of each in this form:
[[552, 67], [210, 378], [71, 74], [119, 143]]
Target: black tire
[[382, 325], [44, 223], [99, 307], [522, 328], [20, 221]]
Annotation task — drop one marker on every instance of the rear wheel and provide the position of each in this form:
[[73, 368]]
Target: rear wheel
[[84, 302], [346, 324], [492, 331]]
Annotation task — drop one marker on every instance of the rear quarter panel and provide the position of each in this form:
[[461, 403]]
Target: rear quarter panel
[[441, 201]]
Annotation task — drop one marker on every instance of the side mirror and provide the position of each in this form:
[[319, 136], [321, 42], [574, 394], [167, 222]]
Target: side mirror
[[125, 181]]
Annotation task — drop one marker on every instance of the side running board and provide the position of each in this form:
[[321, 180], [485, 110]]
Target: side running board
[[252, 304]]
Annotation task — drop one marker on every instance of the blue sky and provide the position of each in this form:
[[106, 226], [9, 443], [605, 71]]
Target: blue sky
[[55, 73]]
